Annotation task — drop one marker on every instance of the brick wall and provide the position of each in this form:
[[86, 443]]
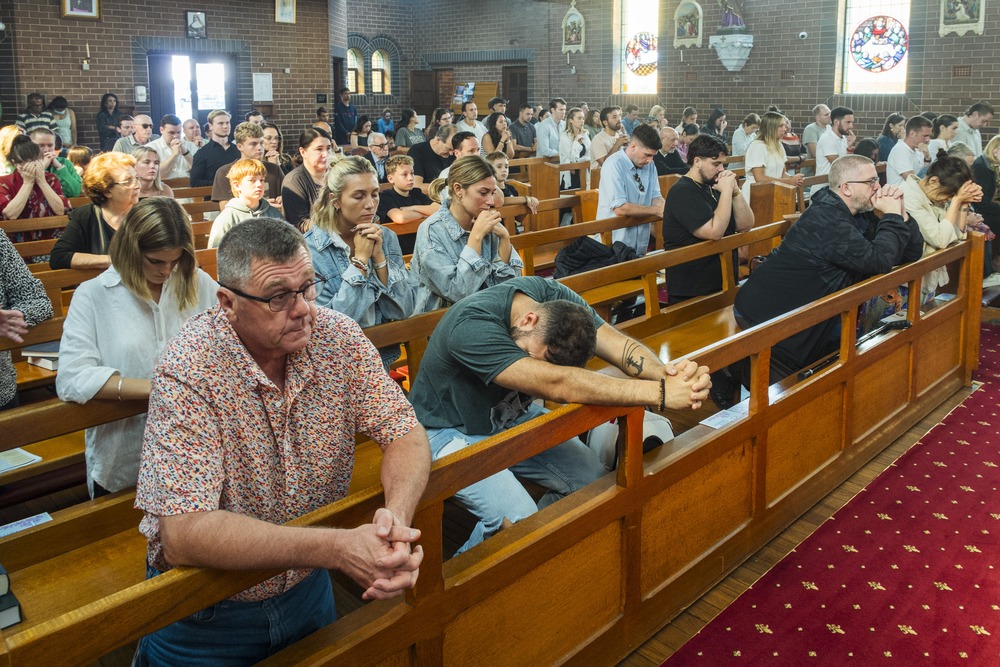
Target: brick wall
[[48, 50], [452, 37]]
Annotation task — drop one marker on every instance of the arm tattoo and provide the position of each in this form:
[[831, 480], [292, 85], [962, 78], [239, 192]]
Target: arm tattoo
[[632, 359]]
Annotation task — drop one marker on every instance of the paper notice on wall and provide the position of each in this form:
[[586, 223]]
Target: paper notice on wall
[[262, 90]]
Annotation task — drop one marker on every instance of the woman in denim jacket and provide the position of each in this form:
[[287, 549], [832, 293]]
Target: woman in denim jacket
[[366, 278], [464, 247]]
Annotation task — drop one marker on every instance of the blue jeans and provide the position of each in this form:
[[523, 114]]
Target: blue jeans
[[562, 469], [240, 633]]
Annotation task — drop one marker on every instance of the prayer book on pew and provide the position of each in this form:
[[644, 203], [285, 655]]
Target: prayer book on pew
[[4, 581], [49, 350], [15, 458], [10, 610], [48, 363]]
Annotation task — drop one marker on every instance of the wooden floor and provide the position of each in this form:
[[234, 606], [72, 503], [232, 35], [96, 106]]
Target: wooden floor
[[662, 645]]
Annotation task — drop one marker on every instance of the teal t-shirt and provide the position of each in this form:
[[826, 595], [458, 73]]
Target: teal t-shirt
[[470, 346]]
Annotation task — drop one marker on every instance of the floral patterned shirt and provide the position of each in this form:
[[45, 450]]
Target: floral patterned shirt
[[220, 435]]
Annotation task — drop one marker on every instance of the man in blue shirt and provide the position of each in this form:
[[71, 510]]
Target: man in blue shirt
[[629, 187], [630, 120], [548, 130]]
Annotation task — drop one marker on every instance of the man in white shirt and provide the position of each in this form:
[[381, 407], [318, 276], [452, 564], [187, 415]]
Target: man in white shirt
[[968, 126], [175, 152], [470, 121], [192, 133], [611, 138], [547, 131], [834, 142], [909, 155]]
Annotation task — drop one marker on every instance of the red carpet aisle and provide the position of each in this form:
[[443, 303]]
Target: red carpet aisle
[[906, 572]]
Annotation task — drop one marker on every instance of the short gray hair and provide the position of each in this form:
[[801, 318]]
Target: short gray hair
[[847, 168], [265, 239], [445, 133]]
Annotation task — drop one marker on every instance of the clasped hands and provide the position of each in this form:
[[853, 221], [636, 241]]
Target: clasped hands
[[384, 559], [687, 384]]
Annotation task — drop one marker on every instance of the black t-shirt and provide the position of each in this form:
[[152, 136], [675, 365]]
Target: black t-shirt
[[390, 199], [426, 163], [689, 206], [207, 161]]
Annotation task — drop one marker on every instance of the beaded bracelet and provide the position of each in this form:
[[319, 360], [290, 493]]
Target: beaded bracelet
[[663, 394], [361, 266]]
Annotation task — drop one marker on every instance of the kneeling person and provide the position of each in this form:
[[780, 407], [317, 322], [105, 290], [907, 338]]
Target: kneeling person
[[246, 177], [252, 416], [497, 350]]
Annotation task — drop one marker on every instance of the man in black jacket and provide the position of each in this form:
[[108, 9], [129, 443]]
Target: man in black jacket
[[837, 242]]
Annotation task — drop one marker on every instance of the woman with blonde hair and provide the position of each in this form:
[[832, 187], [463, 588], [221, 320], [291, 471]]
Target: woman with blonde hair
[[464, 247], [765, 157], [359, 259], [118, 324], [574, 146], [147, 170], [113, 187]]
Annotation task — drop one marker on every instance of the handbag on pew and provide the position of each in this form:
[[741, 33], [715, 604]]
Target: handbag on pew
[[603, 438]]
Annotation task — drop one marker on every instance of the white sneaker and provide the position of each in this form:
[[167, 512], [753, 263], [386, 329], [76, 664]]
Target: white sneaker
[[991, 280]]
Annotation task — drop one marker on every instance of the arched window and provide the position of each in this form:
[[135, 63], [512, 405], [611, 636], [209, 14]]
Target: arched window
[[638, 46], [875, 47], [355, 72], [380, 73]]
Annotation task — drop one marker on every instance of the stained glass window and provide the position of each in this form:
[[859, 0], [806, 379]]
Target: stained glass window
[[640, 53], [876, 46], [380, 73], [355, 74]]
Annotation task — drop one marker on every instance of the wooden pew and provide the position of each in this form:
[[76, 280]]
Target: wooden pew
[[47, 223], [199, 193], [177, 183], [530, 167], [713, 496]]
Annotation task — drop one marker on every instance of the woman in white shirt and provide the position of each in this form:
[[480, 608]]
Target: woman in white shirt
[[939, 202], [944, 129], [118, 324], [574, 146], [765, 156]]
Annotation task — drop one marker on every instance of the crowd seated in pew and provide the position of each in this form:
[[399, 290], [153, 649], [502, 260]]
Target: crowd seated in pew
[[863, 401]]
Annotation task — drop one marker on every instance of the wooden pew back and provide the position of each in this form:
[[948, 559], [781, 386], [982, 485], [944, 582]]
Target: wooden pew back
[[714, 495]]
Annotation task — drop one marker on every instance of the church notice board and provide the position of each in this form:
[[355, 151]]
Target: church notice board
[[484, 91]]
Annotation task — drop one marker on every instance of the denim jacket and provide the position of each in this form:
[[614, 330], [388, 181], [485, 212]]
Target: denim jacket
[[448, 269], [362, 298]]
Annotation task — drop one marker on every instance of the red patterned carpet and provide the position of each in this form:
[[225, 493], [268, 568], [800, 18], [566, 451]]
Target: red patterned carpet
[[903, 573]]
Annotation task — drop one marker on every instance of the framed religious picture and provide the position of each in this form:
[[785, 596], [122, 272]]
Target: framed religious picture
[[284, 11], [961, 16], [80, 9], [197, 27], [574, 29], [687, 24]]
